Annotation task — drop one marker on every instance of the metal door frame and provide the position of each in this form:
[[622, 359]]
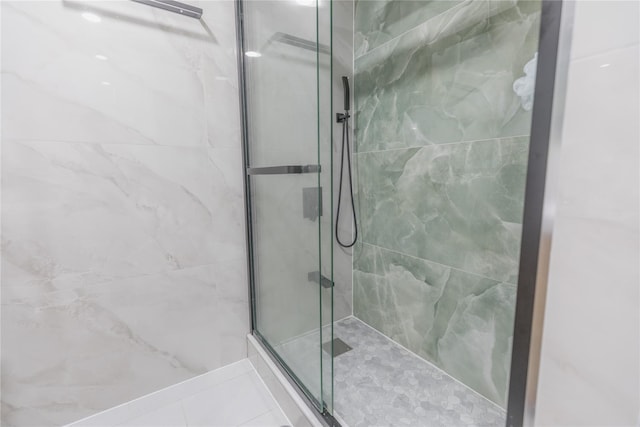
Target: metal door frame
[[323, 416]]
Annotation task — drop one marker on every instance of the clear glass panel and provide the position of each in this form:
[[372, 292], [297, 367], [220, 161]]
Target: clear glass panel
[[289, 124], [325, 156]]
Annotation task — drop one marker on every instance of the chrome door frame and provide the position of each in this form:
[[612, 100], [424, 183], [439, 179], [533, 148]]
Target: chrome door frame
[[324, 417]]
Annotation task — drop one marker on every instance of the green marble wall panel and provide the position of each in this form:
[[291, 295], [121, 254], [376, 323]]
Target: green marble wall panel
[[378, 21], [441, 142], [456, 204], [450, 89], [459, 321]]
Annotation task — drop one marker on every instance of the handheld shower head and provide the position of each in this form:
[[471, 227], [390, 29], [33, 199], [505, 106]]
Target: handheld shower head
[[345, 85], [344, 119]]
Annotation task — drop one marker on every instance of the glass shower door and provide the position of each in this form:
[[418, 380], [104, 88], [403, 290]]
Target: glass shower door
[[286, 68]]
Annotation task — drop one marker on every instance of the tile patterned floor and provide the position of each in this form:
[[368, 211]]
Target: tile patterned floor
[[231, 396], [241, 401], [379, 383]]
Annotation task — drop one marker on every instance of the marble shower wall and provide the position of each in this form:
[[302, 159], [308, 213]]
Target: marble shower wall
[[441, 156], [123, 259]]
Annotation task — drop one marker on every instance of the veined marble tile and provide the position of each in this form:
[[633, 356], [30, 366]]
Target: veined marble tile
[[123, 258], [593, 267], [448, 87], [137, 76], [455, 204], [461, 322], [71, 353], [246, 398], [88, 213], [379, 21]]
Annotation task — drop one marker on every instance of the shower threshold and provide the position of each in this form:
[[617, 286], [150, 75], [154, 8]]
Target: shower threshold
[[377, 382]]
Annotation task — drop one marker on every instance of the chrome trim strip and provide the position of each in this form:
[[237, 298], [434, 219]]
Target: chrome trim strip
[[174, 6], [299, 42], [244, 129], [539, 208], [283, 170]]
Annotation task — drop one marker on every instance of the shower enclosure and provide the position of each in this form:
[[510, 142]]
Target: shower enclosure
[[446, 139], [286, 68]]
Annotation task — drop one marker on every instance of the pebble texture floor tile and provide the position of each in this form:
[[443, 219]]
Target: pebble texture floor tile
[[379, 383]]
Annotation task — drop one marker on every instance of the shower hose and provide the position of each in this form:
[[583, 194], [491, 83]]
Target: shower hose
[[345, 147]]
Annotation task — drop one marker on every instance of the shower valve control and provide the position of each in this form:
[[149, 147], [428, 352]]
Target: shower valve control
[[342, 117]]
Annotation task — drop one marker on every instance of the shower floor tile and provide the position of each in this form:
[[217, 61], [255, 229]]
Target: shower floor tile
[[379, 383]]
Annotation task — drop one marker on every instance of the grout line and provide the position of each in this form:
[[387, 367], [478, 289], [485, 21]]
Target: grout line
[[99, 284], [159, 392], [290, 390], [117, 144], [254, 418], [249, 420], [264, 384], [430, 364], [252, 370], [184, 413], [440, 264], [443, 144], [605, 52]]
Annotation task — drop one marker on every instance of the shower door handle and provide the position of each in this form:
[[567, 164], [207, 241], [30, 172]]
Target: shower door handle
[[283, 170]]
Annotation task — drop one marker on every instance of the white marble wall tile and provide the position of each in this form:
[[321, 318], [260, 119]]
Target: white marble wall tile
[[589, 371], [174, 73], [165, 397], [622, 17], [75, 215], [123, 258], [71, 353], [96, 212]]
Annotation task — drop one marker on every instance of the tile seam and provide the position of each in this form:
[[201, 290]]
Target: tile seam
[[92, 143], [100, 284], [438, 263], [410, 30], [487, 140], [605, 51]]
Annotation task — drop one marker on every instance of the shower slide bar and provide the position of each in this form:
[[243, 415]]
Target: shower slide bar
[[283, 170], [174, 6]]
